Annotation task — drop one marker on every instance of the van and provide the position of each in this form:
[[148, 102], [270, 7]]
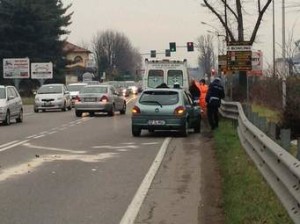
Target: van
[[166, 71]]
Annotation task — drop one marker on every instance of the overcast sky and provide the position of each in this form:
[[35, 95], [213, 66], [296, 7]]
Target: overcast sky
[[152, 24]]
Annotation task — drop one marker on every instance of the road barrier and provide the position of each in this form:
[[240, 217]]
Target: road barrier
[[280, 169]]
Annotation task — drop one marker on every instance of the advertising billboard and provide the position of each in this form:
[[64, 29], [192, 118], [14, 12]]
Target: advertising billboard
[[42, 70], [16, 68]]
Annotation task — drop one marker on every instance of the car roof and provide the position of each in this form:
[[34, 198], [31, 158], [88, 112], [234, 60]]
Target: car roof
[[53, 84], [164, 89], [78, 84]]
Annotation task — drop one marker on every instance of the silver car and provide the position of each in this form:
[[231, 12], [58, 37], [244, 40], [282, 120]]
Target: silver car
[[74, 89], [11, 106], [52, 96], [99, 98]]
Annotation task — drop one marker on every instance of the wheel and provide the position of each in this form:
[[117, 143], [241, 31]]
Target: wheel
[[7, 118], [20, 118], [70, 107], [197, 127], [78, 113], [136, 132], [35, 110], [151, 130], [92, 114], [184, 131], [112, 111], [123, 111], [65, 107]]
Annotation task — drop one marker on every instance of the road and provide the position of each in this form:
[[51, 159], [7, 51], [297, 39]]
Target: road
[[60, 169]]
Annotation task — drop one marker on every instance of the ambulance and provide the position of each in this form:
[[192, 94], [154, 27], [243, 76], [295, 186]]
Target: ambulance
[[169, 72]]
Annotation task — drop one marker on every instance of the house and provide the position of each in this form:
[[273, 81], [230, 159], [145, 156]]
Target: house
[[78, 62]]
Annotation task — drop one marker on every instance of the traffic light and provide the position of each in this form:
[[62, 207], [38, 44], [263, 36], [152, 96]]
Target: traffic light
[[172, 46], [168, 53], [190, 46], [153, 53]]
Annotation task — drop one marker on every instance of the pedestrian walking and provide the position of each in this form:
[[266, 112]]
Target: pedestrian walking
[[213, 99]]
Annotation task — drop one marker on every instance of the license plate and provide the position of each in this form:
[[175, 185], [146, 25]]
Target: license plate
[[156, 122], [90, 99], [47, 104]]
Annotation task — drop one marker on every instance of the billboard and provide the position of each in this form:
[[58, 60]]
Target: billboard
[[16, 68], [42, 70]]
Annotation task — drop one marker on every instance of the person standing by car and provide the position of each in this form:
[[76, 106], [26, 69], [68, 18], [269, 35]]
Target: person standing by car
[[203, 91], [213, 99], [194, 90]]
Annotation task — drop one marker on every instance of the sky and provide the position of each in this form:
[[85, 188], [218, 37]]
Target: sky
[[152, 24]]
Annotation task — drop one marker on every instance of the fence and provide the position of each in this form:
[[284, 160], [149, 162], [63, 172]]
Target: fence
[[280, 169]]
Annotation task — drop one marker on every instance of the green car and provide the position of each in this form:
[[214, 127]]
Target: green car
[[165, 109]]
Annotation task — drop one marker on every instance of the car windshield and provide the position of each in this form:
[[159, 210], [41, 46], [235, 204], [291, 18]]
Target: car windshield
[[74, 87], [94, 89], [159, 97], [50, 89], [2, 93]]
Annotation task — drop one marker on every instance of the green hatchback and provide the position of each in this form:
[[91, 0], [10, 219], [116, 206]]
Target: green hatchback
[[165, 109]]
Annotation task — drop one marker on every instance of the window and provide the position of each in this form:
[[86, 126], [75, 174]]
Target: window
[[155, 78], [2, 93], [97, 89], [175, 76], [161, 97], [78, 59]]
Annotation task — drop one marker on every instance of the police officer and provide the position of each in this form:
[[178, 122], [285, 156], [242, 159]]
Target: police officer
[[213, 99]]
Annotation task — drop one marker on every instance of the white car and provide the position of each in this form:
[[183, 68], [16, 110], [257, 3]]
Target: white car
[[74, 89], [52, 96], [11, 106]]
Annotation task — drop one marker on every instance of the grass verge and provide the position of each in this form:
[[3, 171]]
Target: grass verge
[[247, 197]]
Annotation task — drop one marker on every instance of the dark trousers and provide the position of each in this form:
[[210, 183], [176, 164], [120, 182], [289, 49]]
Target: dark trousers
[[213, 116]]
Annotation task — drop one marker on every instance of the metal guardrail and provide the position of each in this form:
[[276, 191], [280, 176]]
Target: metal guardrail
[[280, 169]]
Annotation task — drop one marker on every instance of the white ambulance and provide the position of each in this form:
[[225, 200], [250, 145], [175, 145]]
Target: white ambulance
[[169, 72]]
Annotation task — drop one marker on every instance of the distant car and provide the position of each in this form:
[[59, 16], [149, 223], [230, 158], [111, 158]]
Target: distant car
[[11, 105], [52, 96], [74, 89], [165, 109], [124, 91], [133, 89], [99, 98]]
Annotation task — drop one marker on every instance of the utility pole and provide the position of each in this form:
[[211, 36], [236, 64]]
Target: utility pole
[[283, 57]]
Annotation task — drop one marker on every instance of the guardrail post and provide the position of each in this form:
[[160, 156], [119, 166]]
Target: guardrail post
[[272, 130], [285, 138], [298, 148]]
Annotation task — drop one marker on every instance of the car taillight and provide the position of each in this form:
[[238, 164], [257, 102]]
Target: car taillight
[[136, 110], [77, 98], [104, 99], [179, 110]]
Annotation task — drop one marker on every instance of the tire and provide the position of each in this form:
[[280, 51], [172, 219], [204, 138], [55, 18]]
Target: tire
[[92, 114], [197, 127], [70, 107], [111, 113], [136, 132], [184, 130], [123, 111], [35, 110], [7, 118], [65, 107], [78, 113], [19, 119]]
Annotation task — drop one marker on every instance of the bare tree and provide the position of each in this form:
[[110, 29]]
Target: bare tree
[[115, 54], [207, 56]]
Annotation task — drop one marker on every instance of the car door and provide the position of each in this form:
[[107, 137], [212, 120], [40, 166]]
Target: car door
[[12, 104], [191, 108], [116, 97]]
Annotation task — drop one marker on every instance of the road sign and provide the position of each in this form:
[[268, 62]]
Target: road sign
[[257, 63], [42, 70], [222, 63], [239, 60]]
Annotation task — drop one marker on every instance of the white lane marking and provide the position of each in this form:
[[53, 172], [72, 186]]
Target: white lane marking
[[135, 205], [13, 145], [52, 132], [29, 166], [53, 149], [128, 143], [150, 143], [114, 147], [39, 136], [8, 143], [31, 136]]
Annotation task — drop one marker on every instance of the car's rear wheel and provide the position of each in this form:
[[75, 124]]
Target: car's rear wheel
[[197, 127], [123, 111], [64, 107], [136, 132], [20, 117], [7, 118], [184, 131], [112, 111], [78, 113]]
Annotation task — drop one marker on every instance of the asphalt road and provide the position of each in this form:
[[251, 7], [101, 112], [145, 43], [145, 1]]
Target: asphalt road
[[60, 169]]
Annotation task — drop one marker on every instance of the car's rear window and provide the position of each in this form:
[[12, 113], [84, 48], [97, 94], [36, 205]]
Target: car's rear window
[[159, 97], [50, 89], [75, 87], [94, 89], [2, 93]]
